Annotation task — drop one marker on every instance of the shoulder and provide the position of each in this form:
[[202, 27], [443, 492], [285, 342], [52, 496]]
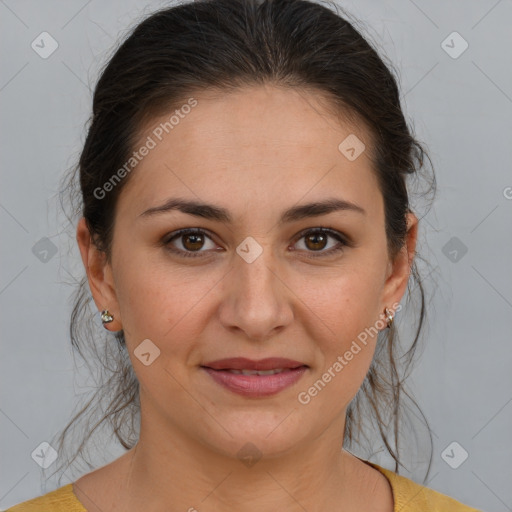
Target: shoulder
[[412, 497], [62, 499]]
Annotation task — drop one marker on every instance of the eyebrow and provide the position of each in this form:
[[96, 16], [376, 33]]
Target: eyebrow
[[217, 213]]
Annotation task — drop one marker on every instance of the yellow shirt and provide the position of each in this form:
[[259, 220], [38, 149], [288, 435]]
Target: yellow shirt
[[408, 497]]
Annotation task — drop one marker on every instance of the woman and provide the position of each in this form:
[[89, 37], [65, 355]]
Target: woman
[[247, 236]]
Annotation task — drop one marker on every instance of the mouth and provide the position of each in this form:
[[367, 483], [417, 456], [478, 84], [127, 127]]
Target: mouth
[[257, 372], [247, 365], [255, 379]]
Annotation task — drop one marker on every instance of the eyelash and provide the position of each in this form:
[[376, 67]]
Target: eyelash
[[343, 242]]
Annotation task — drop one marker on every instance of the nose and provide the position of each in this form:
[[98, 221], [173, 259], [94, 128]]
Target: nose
[[256, 298]]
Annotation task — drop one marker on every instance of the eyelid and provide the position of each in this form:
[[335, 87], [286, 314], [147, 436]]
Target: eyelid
[[167, 239], [324, 229], [343, 239]]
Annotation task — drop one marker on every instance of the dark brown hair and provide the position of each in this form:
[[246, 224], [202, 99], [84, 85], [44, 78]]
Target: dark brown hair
[[224, 45]]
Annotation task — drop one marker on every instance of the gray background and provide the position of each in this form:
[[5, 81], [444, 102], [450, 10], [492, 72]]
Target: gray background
[[460, 107]]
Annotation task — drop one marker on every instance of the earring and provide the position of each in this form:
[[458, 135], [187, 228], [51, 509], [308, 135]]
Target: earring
[[389, 317], [106, 318]]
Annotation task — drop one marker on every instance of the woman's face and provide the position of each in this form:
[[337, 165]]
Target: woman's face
[[260, 285]]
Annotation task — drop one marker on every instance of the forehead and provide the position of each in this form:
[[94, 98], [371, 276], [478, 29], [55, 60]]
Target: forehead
[[258, 143], [257, 118]]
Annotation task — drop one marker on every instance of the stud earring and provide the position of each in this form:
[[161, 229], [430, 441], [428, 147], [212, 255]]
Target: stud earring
[[389, 317], [106, 318]]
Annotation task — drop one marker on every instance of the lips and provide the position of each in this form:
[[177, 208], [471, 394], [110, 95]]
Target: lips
[[255, 379], [250, 365]]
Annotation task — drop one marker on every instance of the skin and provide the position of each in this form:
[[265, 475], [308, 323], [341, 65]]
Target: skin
[[256, 152]]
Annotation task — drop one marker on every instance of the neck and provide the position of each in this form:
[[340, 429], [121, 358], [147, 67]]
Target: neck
[[170, 471]]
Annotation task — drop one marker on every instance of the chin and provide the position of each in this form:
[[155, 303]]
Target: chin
[[266, 434]]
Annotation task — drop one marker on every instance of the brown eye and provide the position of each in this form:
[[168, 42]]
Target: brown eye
[[316, 240], [189, 242]]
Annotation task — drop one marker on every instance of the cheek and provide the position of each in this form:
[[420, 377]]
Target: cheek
[[167, 310], [161, 303], [342, 319], [343, 308], [345, 359]]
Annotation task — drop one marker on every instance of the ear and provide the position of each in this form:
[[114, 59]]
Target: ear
[[99, 275], [399, 270]]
